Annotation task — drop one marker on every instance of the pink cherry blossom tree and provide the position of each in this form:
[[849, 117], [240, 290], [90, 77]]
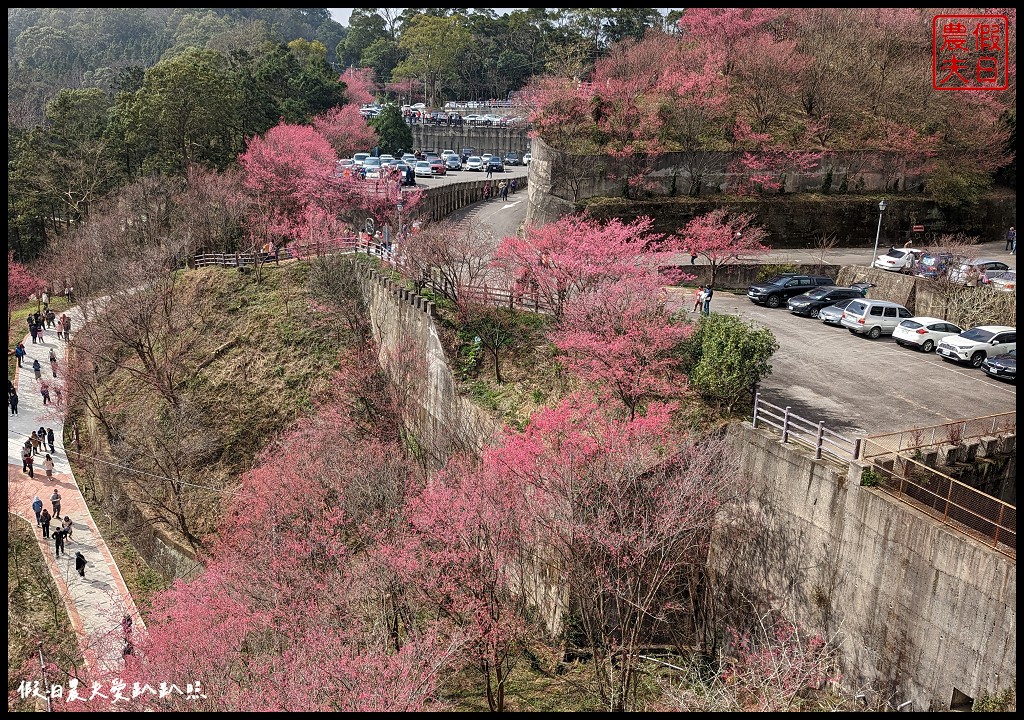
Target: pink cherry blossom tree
[[721, 238]]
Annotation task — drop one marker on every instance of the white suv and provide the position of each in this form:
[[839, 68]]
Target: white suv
[[978, 343]]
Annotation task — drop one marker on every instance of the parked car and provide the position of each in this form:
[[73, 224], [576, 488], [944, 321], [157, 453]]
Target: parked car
[[422, 169], [933, 265], [437, 166], [371, 166], [924, 333], [386, 159], [833, 314], [810, 303], [491, 119], [473, 119], [779, 289], [899, 259], [962, 273], [527, 157], [873, 318], [978, 344], [452, 162], [486, 157], [409, 159], [495, 165], [358, 158], [511, 158], [1005, 281], [1003, 367], [475, 163], [445, 153], [466, 154]]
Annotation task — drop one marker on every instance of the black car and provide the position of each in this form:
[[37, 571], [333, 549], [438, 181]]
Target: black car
[[810, 303], [495, 165], [779, 289], [1003, 367], [511, 158]]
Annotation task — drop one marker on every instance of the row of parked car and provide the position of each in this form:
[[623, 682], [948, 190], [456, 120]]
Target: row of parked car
[[913, 261], [990, 347]]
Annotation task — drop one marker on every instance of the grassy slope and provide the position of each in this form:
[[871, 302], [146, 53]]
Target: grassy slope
[[35, 613]]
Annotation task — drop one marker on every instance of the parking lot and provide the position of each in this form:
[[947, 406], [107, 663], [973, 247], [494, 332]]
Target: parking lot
[[860, 386]]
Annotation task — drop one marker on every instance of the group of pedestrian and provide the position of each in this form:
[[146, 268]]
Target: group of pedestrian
[[65, 531], [702, 299], [501, 190]]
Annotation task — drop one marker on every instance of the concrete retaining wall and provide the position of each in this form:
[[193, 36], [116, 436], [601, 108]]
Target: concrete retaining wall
[[919, 609], [443, 200]]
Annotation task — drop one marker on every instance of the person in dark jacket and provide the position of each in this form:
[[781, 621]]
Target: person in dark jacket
[[58, 542], [80, 562], [44, 521]]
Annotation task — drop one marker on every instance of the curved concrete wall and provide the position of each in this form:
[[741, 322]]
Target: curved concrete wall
[[443, 200]]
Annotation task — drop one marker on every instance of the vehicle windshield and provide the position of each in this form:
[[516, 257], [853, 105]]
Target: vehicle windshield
[[781, 280], [896, 253], [910, 324], [978, 335], [819, 293]]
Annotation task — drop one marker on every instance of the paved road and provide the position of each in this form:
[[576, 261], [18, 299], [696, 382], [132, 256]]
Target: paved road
[[96, 603], [861, 386]]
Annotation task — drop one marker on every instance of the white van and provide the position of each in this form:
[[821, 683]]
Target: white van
[[873, 317]]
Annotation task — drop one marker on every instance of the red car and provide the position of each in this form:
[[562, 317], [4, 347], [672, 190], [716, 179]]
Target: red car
[[437, 166]]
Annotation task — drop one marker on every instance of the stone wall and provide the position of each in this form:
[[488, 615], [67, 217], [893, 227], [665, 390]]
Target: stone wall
[[442, 420], [742, 276], [792, 220], [443, 200], [919, 609]]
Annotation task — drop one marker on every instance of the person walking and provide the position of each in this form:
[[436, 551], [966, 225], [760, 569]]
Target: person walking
[[19, 353], [490, 172], [50, 317], [698, 298], [503, 189], [67, 329], [487, 189], [1011, 239], [512, 186], [49, 437], [12, 400], [44, 390], [48, 466], [60, 328], [67, 527], [58, 542], [53, 362], [44, 522], [55, 501], [80, 563], [37, 368], [708, 294], [37, 508], [33, 330], [693, 257], [35, 442]]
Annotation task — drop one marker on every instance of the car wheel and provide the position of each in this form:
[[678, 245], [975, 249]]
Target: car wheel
[[773, 301], [814, 312], [977, 359], [875, 333], [927, 346]]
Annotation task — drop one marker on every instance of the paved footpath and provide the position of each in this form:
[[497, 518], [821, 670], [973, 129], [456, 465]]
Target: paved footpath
[[98, 602]]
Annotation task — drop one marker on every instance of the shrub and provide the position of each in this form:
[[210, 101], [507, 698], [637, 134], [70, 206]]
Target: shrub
[[734, 357]]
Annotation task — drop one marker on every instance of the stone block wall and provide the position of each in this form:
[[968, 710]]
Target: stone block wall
[[919, 610]]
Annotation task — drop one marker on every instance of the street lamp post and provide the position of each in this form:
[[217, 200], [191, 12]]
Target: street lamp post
[[881, 209]]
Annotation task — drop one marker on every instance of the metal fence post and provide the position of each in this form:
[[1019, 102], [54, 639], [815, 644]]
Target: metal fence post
[[785, 425], [757, 399], [817, 444]]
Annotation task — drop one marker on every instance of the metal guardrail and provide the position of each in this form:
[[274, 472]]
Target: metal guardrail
[[796, 428], [953, 503], [952, 433]]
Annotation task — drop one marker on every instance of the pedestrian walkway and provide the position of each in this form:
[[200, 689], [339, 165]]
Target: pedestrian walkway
[[98, 602]]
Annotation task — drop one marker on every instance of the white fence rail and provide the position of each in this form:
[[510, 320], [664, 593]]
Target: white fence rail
[[815, 435]]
